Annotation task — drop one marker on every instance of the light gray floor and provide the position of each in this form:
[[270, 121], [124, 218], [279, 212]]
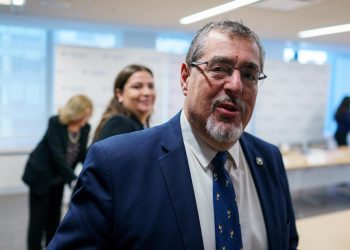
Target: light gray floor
[[14, 211], [13, 221]]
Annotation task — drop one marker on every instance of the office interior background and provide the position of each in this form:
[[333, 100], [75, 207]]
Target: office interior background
[[49, 51]]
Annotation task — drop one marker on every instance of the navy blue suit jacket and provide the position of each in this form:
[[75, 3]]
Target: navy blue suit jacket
[[135, 192]]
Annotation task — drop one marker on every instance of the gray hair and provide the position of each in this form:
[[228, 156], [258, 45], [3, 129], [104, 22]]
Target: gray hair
[[232, 28]]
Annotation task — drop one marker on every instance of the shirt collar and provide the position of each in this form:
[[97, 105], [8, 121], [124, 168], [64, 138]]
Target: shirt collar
[[200, 149]]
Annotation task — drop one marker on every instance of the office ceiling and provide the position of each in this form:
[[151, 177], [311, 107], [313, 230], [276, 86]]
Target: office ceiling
[[271, 19]]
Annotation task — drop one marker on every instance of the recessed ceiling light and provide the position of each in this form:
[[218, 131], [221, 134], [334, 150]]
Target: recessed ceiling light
[[216, 11], [325, 31]]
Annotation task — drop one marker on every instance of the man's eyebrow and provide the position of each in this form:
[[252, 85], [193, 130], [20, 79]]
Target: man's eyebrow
[[232, 62], [250, 65], [222, 60]]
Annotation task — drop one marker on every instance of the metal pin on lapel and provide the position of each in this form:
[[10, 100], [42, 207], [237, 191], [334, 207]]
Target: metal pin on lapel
[[259, 161]]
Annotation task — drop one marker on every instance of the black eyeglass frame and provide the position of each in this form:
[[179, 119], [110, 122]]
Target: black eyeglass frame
[[197, 63]]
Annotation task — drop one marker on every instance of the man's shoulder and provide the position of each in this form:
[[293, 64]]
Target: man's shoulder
[[248, 138]]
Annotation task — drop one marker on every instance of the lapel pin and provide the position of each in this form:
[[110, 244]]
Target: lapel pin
[[259, 161]]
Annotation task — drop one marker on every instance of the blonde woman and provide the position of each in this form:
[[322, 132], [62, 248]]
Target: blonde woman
[[52, 164]]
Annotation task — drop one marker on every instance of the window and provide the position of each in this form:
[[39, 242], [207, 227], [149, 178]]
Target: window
[[305, 56], [172, 45], [289, 55], [88, 39], [23, 88], [312, 56], [339, 88]]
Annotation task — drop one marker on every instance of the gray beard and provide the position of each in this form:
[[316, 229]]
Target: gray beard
[[222, 131]]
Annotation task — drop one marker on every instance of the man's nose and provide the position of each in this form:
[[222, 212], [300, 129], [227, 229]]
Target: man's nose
[[234, 82]]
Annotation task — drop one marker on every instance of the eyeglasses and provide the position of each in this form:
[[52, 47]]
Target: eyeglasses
[[219, 71]]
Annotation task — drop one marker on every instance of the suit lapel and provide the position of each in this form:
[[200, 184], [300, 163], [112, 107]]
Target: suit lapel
[[259, 173], [175, 169]]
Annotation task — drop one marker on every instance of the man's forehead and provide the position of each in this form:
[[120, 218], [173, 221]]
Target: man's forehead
[[216, 37], [218, 43]]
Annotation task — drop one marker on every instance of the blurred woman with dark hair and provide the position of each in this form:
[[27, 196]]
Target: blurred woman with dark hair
[[132, 104]]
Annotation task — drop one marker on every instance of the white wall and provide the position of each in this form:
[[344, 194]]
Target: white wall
[[92, 71], [292, 98], [291, 103], [12, 167]]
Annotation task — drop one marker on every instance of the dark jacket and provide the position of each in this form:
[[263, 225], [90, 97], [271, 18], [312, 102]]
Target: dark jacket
[[47, 165], [135, 192], [119, 124], [343, 127]]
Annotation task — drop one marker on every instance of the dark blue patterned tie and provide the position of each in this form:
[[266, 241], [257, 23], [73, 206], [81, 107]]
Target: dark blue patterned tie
[[227, 228]]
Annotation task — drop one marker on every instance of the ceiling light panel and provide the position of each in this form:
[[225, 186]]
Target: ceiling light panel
[[325, 31], [216, 11], [285, 5]]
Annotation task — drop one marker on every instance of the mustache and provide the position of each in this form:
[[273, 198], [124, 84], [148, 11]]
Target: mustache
[[226, 99]]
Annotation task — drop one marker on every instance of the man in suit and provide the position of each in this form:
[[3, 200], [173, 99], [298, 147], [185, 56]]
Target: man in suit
[[155, 189]]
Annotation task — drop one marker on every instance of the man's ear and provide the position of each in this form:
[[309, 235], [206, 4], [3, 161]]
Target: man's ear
[[185, 74]]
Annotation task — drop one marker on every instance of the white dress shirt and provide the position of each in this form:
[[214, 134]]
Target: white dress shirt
[[199, 156]]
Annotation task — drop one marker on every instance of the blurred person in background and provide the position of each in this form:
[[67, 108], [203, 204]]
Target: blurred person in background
[[52, 164], [342, 117], [132, 104]]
